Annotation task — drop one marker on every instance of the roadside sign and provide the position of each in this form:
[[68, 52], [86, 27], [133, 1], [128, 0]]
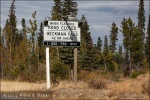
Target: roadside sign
[[60, 33]]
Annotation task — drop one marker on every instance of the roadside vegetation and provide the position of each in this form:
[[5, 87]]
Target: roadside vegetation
[[117, 71]]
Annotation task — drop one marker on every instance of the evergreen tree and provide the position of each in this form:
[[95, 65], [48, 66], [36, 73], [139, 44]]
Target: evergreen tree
[[141, 19], [56, 15], [105, 49], [32, 30], [85, 34], [22, 55], [85, 57], [96, 58], [57, 10], [11, 38], [66, 54], [24, 30], [12, 23], [147, 46], [113, 37], [1, 53], [33, 58], [126, 37], [41, 47], [10, 34], [83, 44], [141, 28], [135, 47], [120, 52], [69, 7], [99, 43], [127, 30]]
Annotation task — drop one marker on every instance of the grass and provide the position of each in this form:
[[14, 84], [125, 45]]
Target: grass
[[125, 88], [70, 84], [20, 86]]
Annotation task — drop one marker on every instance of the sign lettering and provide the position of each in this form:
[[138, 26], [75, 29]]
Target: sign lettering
[[60, 33]]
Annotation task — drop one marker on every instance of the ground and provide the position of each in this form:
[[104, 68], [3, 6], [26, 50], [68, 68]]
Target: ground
[[125, 88]]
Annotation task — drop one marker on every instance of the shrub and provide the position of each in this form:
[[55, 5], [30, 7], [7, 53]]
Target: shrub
[[15, 72], [97, 83], [146, 87], [137, 73], [59, 70], [82, 75], [134, 74]]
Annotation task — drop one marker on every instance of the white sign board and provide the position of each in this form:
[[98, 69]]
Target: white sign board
[[61, 33]]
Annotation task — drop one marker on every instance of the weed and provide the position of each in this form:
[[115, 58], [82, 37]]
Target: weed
[[97, 83]]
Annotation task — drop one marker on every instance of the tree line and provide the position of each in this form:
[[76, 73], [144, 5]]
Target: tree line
[[23, 52]]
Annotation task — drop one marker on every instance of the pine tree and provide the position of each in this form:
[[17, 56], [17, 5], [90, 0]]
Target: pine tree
[[85, 34], [127, 30], [24, 30], [99, 43], [40, 44], [57, 10], [141, 19], [66, 54], [132, 42], [135, 47], [10, 34], [120, 52], [57, 13], [1, 53], [83, 44], [22, 54], [113, 37], [105, 49], [141, 28], [12, 23], [69, 7], [126, 37], [85, 56], [32, 30], [33, 58], [147, 47]]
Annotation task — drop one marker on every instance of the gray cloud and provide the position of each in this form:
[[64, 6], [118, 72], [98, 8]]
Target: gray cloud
[[100, 14]]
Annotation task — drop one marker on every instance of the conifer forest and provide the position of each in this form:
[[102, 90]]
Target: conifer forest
[[23, 54]]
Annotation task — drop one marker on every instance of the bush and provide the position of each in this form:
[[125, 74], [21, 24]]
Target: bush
[[97, 83], [15, 72], [29, 77], [134, 74], [82, 75], [59, 70], [146, 87]]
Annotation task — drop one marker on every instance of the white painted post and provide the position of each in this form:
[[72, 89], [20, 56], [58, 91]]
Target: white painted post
[[47, 68], [75, 64]]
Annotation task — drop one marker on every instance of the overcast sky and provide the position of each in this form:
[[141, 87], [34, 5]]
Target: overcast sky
[[99, 14]]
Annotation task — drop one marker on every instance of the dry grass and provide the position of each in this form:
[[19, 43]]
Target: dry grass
[[97, 83], [20, 86], [70, 84], [129, 85], [125, 88]]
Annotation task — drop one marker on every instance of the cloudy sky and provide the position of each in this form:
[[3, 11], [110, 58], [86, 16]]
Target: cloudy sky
[[100, 14]]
